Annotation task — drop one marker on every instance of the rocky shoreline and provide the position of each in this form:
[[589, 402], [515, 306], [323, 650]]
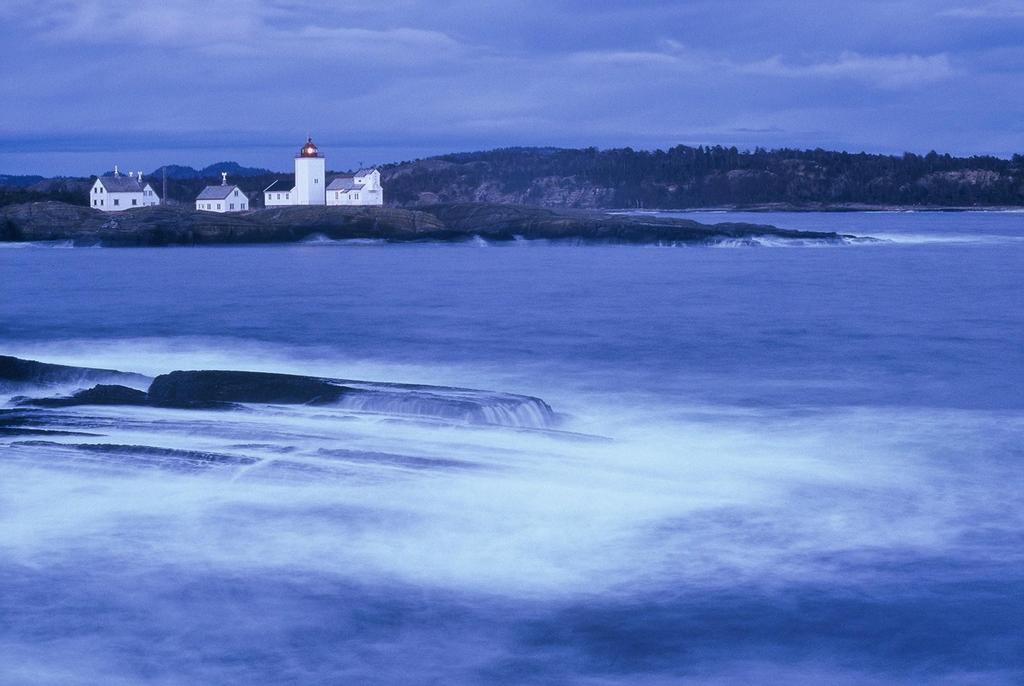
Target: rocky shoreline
[[452, 222]]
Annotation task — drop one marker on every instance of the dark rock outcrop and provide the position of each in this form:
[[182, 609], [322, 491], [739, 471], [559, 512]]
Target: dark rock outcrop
[[191, 388], [17, 373], [155, 226]]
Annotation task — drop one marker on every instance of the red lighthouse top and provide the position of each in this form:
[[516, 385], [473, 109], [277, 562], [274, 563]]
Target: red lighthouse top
[[309, 149]]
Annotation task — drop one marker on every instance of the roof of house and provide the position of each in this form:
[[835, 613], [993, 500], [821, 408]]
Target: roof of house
[[344, 183], [217, 192], [121, 184], [277, 190], [365, 172]]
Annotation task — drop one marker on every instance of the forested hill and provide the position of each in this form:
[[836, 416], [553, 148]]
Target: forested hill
[[679, 177], [685, 176]]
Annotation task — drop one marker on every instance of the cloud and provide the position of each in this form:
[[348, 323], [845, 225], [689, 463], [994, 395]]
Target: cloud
[[147, 24], [885, 71], [1007, 9], [235, 28], [665, 52], [399, 44], [627, 58]]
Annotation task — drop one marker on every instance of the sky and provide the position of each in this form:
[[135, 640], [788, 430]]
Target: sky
[[89, 84]]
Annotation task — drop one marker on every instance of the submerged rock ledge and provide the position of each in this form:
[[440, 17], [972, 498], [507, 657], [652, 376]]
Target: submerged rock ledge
[[455, 222], [219, 389]]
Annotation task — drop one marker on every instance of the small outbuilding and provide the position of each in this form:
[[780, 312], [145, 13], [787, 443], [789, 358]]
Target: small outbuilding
[[223, 198]]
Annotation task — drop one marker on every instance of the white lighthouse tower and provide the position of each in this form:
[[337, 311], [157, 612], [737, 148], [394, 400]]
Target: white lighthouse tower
[[310, 172]]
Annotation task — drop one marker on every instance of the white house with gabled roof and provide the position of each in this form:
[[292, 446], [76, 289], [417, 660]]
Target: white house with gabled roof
[[364, 188], [223, 198], [118, 192]]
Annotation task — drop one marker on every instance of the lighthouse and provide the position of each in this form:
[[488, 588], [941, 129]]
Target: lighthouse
[[310, 170], [311, 187]]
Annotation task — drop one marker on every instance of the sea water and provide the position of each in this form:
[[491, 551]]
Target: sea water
[[771, 464]]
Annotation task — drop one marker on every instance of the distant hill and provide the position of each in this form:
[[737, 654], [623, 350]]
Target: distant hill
[[176, 171], [7, 181], [685, 176]]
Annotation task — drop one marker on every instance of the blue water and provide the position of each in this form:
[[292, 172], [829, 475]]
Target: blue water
[[776, 465]]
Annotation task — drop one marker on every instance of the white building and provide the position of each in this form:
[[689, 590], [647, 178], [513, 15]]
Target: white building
[[311, 189], [222, 198], [362, 189], [116, 193]]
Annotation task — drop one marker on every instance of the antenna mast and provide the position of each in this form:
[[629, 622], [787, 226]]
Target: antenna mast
[[163, 200]]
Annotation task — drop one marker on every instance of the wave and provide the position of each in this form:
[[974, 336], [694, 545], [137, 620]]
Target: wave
[[474, 407], [39, 244], [323, 239], [780, 242], [949, 239]]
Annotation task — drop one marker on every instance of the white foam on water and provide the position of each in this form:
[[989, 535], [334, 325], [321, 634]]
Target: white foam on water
[[946, 238], [37, 244], [320, 239], [669, 496]]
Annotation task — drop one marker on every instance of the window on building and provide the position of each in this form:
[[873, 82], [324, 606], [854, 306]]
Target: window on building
[[117, 201], [101, 202], [94, 202], [231, 206], [218, 206], [236, 193], [242, 206], [135, 201]]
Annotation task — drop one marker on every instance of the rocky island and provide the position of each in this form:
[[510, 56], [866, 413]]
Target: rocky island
[[444, 222]]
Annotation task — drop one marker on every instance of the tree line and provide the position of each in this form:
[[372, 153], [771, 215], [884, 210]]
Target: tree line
[[686, 176]]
